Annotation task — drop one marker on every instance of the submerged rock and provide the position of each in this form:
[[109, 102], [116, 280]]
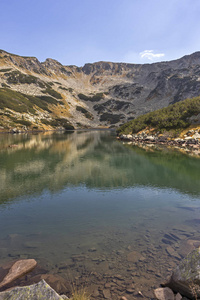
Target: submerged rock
[[134, 256], [38, 291], [18, 269], [186, 277]]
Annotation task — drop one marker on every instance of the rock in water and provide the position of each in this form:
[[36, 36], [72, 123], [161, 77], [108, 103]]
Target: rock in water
[[18, 269], [164, 294], [38, 291], [186, 277]]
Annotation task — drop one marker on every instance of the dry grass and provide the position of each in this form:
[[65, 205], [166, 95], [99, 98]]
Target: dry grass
[[80, 294]]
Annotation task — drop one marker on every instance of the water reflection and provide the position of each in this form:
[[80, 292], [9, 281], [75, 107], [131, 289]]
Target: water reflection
[[31, 163], [86, 190]]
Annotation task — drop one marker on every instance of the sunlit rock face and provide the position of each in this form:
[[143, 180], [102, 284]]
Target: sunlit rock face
[[98, 94]]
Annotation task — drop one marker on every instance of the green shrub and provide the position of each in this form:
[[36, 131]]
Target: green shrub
[[87, 114], [52, 92], [95, 98], [24, 122], [111, 118], [5, 85], [5, 70], [174, 116], [59, 122]]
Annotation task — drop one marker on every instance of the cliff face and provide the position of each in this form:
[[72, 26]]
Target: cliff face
[[49, 95]]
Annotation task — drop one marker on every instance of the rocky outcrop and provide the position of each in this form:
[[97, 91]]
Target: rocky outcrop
[[38, 291], [190, 141]]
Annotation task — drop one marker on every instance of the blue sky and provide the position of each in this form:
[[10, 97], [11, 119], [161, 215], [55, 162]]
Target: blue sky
[[82, 31]]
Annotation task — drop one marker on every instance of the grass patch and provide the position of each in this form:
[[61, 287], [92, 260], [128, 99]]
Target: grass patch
[[80, 294], [15, 101]]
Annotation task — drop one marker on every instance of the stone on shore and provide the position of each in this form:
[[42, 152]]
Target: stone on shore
[[18, 269], [186, 277], [164, 294], [38, 291]]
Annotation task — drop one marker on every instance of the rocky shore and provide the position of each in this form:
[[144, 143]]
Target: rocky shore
[[190, 142], [184, 283]]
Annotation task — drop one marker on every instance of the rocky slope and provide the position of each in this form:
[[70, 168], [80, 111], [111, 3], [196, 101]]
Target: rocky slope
[[46, 95]]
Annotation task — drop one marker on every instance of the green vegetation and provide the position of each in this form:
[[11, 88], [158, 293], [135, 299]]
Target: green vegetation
[[41, 103], [87, 114], [111, 118], [23, 122], [5, 85], [175, 116], [5, 70], [48, 99], [16, 77], [24, 103], [59, 122], [15, 101], [80, 294], [52, 92], [66, 89], [95, 98]]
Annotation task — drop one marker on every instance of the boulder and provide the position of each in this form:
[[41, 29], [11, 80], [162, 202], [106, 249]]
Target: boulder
[[38, 291], [164, 294], [186, 277], [58, 283], [18, 269]]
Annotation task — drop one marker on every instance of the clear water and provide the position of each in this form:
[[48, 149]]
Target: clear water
[[80, 203]]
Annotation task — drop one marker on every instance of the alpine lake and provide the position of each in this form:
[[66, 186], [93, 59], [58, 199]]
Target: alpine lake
[[109, 216]]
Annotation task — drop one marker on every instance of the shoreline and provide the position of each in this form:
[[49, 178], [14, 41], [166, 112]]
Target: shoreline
[[188, 145]]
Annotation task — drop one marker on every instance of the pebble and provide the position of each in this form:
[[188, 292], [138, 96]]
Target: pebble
[[106, 294]]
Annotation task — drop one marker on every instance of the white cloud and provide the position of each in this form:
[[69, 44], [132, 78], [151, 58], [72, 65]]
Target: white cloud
[[149, 54]]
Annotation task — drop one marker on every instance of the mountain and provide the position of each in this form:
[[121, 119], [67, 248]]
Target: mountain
[[46, 95]]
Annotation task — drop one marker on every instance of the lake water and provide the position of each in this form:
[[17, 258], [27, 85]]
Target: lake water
[[93, 210]]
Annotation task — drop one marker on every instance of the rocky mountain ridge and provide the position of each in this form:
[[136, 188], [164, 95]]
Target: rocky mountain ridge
[[106, 94]]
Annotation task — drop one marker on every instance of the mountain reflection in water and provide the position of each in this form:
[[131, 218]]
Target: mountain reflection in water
[[95, 159]]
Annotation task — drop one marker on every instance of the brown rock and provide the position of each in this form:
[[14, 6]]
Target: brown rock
[[123, 298], [130, 291], [178, 296], [164, 294], [108, 285], [58, 283], [172, 252], [106, 294], [19, 268], [134, 256], [95, 293]]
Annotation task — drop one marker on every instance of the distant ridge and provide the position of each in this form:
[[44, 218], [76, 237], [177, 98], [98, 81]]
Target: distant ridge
[[97, 94]]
